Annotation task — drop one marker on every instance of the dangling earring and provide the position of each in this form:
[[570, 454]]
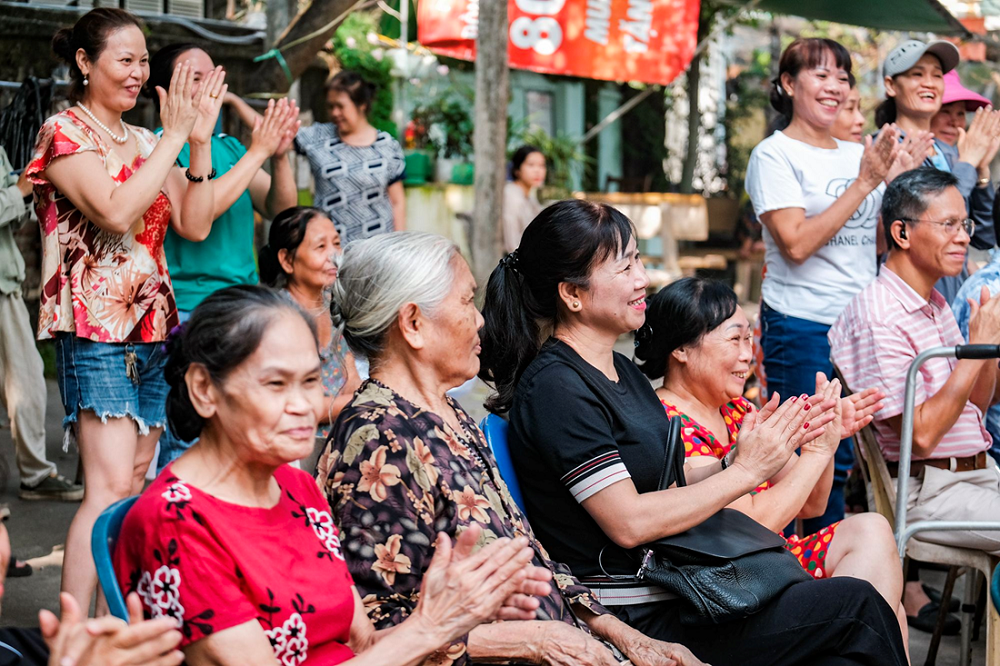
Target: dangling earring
[[86, 81]]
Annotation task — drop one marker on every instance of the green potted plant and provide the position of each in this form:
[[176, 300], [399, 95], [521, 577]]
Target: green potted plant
[[449, 131]]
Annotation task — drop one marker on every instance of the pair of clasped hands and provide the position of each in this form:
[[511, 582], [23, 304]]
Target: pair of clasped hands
[[815, 424], [462, 588], [190, 108]]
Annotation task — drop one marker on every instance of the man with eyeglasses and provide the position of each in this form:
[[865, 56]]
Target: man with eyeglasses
[[901, 314]]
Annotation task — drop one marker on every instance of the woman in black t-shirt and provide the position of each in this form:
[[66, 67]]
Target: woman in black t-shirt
[[587, 436]]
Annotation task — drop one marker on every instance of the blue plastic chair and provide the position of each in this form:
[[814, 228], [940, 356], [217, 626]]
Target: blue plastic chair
[[102, 545], [495, 429], [995, 588]]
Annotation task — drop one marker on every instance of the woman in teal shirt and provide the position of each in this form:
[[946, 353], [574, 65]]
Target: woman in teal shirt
[[226, 256]]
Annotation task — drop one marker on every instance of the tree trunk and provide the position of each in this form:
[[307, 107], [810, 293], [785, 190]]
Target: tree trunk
[[694, 125], [269, 76], [490, 138]]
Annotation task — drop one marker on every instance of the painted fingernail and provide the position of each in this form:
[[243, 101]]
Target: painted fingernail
[[794, 398], [805, 426], [808, 406]]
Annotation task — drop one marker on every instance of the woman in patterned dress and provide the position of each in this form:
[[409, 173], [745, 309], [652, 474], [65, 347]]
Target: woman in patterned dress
[[699, 341], [230, 542], [105, 194], [405, 461], [300, 258], [358, 169]]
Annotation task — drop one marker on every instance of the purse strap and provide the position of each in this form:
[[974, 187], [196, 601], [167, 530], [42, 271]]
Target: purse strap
[[671, 471]]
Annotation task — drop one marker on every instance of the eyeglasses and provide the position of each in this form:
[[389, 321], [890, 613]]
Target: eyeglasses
[[951, 227]]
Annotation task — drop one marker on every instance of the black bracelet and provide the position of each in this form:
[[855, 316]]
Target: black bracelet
[[198, 179]]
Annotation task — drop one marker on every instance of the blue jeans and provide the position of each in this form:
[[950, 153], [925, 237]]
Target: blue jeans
[[794, 351], [93, 377], [171, 447]]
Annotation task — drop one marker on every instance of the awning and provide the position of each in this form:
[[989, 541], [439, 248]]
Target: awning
[[903, 15]]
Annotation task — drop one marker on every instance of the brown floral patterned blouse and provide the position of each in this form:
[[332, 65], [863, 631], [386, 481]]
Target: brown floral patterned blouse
[[396, 475]]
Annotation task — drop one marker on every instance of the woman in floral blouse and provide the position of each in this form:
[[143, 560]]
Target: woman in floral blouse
[[105, 193], [405, 461], [230, 541], [700, 343]]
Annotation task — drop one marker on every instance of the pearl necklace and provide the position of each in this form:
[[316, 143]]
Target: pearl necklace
[[117, 139]]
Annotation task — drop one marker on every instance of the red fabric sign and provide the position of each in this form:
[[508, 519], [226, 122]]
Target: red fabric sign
[[651, 41]]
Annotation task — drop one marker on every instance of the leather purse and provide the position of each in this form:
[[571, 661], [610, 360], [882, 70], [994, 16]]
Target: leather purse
[[724, 569]]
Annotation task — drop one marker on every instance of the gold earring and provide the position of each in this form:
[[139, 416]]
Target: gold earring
[[576, 305]]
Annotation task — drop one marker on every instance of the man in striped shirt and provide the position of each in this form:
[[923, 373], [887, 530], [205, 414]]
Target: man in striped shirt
[[896, 317]]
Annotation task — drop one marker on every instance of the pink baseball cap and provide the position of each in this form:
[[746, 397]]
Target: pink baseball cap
[[954, 91]]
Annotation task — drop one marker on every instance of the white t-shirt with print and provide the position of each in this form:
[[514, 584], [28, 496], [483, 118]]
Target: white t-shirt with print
[[786, 173]]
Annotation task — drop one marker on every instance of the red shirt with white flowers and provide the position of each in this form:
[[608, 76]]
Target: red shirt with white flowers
[[212, 565]]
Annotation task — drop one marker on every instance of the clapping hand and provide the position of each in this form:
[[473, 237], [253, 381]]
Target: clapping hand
[[915, 148], [879, 156], [984, 319], [179, 106], [829, 393], [975, 143], [212, 94], [74, 640], [769, 437], [273, 134], [857, 409]]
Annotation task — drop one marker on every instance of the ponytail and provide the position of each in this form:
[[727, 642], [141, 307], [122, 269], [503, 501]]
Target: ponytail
[[885, 113], [562, 244], [510, 336]]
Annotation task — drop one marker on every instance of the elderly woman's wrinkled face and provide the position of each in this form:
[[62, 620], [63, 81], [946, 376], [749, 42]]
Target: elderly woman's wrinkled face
[[615, 301], [269, 405], [453, 334], [313, 265], [719, 363], [946, 122]]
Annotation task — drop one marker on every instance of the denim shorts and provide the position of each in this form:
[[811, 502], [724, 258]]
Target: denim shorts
[[92, 376]]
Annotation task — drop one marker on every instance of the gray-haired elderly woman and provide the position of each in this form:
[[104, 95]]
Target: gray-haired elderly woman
[[405, 461]]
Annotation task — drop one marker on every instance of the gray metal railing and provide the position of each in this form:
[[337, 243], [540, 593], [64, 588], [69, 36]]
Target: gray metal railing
[[903, 531]]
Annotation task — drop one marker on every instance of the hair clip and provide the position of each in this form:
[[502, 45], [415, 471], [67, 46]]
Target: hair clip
[[643, 334], [511, 261]]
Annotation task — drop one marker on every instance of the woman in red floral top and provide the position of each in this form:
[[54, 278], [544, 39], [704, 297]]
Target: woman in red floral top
[[105, 193], [699, 341], [238, 548]]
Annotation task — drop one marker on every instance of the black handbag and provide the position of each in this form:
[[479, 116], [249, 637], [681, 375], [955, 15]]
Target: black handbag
[[724, 569]]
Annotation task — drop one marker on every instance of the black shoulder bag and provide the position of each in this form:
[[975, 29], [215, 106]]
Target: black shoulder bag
[[724, 569]]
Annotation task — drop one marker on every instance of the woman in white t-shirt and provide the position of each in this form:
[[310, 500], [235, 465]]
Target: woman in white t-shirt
[[818, 200]]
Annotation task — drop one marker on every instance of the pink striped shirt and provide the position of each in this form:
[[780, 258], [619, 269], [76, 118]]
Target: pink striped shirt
[[875, 340]]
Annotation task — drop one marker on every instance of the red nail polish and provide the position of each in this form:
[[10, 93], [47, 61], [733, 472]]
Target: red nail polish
[[794, 398], [805, 426], [808, 406]]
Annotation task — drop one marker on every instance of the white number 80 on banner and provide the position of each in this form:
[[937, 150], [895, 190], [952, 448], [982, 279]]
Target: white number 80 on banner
[[543, 34]]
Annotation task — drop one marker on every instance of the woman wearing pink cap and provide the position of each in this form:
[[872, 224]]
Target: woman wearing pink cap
[[949, 122]]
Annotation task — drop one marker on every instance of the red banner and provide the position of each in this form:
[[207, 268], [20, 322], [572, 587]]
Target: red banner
[[651, 41]]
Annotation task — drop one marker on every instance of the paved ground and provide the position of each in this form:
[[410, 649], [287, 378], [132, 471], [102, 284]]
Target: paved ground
[[36, 528]]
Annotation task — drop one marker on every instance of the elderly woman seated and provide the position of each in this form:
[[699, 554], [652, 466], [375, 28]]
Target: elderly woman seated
[[229, 541], [405, 461], [587, 436], [700, 343]]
